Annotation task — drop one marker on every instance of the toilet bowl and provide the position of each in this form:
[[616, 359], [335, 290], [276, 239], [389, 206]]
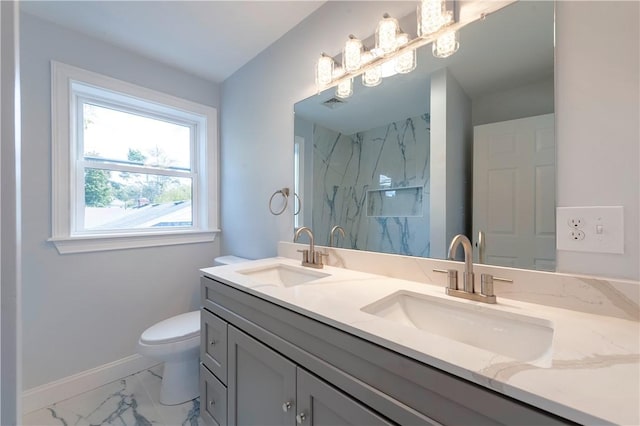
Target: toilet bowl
[[176, 342]]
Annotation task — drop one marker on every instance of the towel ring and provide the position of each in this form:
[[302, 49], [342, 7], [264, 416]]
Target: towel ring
[[285, 194], [299, 202]]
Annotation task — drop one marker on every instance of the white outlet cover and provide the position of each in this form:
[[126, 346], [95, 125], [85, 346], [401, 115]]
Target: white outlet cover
[[609, 220]]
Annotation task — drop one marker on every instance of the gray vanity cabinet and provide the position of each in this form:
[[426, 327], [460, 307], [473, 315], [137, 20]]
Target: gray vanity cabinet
[[286, 368]]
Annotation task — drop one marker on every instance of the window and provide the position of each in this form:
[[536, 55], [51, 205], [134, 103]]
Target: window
[[131, 167]]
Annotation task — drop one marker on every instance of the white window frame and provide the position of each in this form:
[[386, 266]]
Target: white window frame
[[68, 85]]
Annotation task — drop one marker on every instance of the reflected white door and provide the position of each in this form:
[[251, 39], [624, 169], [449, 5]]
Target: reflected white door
[[514, 192]]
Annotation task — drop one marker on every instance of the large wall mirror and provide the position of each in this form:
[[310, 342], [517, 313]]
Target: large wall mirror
[[460, 145]]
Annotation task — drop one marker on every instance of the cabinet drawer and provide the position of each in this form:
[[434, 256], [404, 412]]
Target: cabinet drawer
[[213, 344], [213, 399]]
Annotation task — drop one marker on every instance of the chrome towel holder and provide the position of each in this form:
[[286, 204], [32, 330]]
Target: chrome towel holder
[[285, 192]]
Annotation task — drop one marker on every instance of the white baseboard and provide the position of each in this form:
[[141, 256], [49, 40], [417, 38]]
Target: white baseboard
[[67, 387]]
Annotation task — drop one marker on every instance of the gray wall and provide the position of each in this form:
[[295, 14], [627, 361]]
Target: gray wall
[[451, 147], [508, 105], [597, 123], [597, 116], [84, 310]]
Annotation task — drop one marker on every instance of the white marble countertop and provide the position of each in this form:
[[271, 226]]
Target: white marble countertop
[[594, 371]]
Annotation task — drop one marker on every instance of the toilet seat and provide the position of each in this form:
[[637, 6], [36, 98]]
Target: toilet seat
[[172, 330]]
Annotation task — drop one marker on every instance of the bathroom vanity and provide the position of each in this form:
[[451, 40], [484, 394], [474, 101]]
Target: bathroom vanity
[[283, 344]]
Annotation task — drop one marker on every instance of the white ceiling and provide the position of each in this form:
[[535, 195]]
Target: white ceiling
[[211, 39]]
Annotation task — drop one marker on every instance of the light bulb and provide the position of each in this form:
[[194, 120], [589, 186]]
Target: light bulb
[[431, 16], [386, 34], [345, 88], [352, 54], [324, 70], [446, 45], [388, 68]]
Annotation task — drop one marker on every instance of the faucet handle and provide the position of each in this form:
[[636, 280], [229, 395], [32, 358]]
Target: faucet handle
[[305, 255], [486, 285], [318, 257], [452, 277]]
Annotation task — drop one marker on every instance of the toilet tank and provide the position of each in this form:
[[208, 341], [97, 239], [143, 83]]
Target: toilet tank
[[228, 260]]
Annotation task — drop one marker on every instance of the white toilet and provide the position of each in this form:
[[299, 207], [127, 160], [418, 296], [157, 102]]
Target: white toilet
[[176, 342]]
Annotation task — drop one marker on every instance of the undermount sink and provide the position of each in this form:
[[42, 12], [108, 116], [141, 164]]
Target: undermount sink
[[282, 275], [521, 337]]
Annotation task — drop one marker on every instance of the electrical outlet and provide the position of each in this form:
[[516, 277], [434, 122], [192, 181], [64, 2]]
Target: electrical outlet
[[591, 229], [575, 222], [576, 234]]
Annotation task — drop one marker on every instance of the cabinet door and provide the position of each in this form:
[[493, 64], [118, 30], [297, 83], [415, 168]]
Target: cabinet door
[[320, 404], [261, 383]]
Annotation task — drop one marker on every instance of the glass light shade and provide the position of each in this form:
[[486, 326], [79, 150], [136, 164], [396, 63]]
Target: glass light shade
[[352, 54], [386, 34], [372, 77], [345, 88], [324, 70], [405, 62], [446, 45], [431, 16]]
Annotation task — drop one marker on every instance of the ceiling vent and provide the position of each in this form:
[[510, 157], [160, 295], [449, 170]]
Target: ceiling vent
[[333, 103]]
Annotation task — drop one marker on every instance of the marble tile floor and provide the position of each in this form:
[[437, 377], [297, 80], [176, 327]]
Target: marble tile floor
[[132, 400]]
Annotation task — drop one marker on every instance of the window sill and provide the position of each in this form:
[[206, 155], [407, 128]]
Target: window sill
[[91, 243]]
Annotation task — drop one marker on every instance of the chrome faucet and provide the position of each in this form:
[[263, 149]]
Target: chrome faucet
[[310, 257], [468, 277], [486, 289], [338, 228]]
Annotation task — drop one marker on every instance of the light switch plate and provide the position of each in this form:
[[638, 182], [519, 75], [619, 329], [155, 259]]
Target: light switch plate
[[602, 229]]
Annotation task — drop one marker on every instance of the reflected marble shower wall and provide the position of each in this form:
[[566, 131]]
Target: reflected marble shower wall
[[375, 184]]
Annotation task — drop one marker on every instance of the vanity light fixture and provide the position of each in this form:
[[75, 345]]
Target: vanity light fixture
[[394, 51]]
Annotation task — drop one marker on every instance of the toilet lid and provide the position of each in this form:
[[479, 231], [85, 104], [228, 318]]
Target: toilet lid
[[174, 329]]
